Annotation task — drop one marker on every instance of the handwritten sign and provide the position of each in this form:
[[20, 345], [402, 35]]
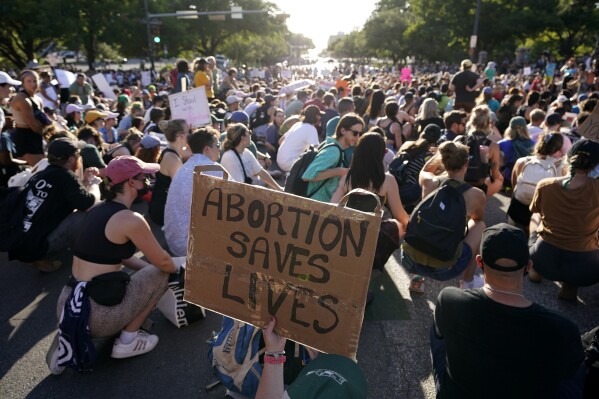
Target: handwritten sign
[[253, 252], [146, 78], [192, 106], [102, 83], [590, 127]]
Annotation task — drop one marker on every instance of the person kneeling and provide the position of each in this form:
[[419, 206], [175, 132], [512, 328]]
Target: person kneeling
[[108, 301]]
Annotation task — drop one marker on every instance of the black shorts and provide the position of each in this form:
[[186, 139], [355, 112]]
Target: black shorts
[[28, 142]]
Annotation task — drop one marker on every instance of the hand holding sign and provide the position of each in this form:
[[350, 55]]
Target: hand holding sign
[[254, 253]]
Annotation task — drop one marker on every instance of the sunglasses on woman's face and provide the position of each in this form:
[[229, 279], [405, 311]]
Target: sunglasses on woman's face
[[355, 132]]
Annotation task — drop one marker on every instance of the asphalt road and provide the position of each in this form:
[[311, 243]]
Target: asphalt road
[[393, 354]]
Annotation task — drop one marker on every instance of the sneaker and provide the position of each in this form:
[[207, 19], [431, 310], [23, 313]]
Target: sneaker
[[52, 357], [417, 285], [477, 282], [143, 343]]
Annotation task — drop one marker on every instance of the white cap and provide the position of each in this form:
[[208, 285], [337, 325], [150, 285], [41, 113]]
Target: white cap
[[73, 108], [5, 78], [233, 100]]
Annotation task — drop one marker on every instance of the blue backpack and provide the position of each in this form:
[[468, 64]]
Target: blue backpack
[[234, 353]]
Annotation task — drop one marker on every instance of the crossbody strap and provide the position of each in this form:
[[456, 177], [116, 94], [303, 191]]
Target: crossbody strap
[[245, 176]]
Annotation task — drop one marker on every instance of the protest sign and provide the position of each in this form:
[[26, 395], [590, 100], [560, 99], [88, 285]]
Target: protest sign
[[406, 74], [590, 127], [342, 84], [146, 78], [295, 86], [102, 84], [286, 74], [65, 78], [326, 85], [253, 252], [527, 71], [191, 105]]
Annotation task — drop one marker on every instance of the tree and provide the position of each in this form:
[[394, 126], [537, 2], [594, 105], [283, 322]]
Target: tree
[[384, 32], [27, 28]]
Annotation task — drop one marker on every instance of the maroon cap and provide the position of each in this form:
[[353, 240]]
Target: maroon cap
[[125, 167]]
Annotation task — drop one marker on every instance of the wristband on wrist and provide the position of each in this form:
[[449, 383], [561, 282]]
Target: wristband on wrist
[[274, 353], [274, 360]]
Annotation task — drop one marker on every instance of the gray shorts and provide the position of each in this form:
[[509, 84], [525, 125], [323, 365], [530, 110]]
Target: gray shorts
[[146, 285]]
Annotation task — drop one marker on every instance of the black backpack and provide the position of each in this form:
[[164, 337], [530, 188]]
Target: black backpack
[[298, 186], [476, 169], [399, 168], [435, 234], [259, 117]]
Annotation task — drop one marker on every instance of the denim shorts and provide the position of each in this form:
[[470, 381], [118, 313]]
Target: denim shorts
[[440, 274]]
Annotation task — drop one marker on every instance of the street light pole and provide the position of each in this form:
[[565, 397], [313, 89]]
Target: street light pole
[[149, 36], [474, 37]]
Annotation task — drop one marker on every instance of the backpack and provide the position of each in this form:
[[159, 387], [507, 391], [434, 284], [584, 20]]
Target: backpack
[[533, 171], [259, 117], [234, 353], [11, 217], [476, 169], [298, 186], [435, 233]]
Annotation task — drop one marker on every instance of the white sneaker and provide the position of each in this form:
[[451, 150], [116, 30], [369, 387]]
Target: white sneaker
[[52, 357], [143, 343], [477, 282]]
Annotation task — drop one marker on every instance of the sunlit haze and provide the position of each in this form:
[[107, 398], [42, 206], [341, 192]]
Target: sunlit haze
[[319, 19]]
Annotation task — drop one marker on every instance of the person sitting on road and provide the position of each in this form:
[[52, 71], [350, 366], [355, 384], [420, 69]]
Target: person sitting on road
[[539, 165], [170, 160], [563, 240], [205, 148], [535, 352], [454, 160], [299, 138], [367, 172], [48, 223], [109, 301], [239, 161]]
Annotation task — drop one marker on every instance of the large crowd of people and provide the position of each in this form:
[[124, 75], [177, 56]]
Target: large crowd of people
[[73, 162]]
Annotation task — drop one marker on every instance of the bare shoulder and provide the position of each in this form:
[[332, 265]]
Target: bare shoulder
[[475, 197]]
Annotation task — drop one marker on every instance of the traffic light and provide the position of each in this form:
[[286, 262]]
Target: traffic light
[[156, 37]]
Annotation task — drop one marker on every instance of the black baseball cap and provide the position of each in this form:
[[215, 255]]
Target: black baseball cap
[[586, 147], [62, 148], [504, 241]]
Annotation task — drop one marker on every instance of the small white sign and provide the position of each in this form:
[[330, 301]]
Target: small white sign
[[192, 106]]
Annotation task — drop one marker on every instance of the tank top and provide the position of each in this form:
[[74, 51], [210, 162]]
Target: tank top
[[92, 245], [158, 201]]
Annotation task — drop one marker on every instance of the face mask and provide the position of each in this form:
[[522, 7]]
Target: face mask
[[145, 189]]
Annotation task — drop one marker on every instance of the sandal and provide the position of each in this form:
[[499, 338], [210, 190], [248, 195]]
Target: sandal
[[417, 285]]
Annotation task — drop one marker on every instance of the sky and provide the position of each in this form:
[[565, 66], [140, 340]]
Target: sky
[[319, 19]]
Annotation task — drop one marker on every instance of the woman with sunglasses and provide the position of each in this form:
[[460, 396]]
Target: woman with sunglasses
[[330, 164], [110, 300]]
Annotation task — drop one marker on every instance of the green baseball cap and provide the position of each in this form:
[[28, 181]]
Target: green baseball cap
[[329, 376]]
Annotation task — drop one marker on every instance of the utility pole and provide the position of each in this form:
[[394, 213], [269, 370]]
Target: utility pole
[[474, 37], [150, 45]]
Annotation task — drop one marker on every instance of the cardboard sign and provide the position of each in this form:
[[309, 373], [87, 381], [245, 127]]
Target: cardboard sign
[[253, 252], [192, 106], [65, 78], [590, 127], [102, 83]]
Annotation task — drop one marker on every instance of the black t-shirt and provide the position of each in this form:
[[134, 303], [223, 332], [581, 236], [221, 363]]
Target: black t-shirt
[[460, 81], [52, 195], [500, 351]]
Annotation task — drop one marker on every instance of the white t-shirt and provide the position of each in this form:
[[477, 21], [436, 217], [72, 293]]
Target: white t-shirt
[[297, 140], [231, 163]]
